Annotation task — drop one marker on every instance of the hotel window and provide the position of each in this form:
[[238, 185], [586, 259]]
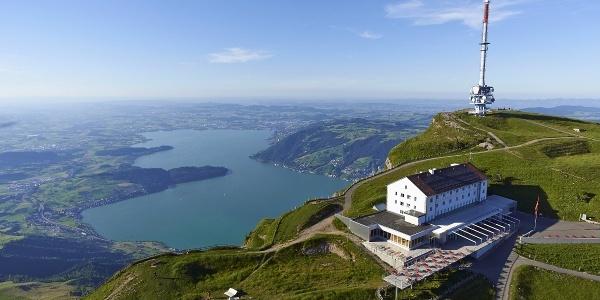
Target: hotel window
[[408, 196], [415, 199], [430, 208], [401, 195], [405, 187], [430, 200], [395, 201], [407, 204], [401, 203], [396, 193], [444, 203]]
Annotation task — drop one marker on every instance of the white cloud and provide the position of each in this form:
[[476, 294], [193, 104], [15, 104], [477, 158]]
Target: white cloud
[[370, 35], [238, 55], [434, 12], [364, 34]]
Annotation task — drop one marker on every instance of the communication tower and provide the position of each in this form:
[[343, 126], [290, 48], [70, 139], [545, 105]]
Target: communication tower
[[482, 94]]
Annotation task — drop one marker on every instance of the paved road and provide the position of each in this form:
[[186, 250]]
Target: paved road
[[499, 265]]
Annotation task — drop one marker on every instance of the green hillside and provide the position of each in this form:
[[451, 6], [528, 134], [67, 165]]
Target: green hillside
[[525, 155], [325, 267], [348, 149], [544, 156]]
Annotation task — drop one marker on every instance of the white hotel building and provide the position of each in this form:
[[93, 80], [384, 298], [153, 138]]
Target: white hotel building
[[436, 207]]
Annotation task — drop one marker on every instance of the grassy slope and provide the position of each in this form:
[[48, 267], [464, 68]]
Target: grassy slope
[[533, 283], [440, 282], [5, 238], [578, 257], [445, 135], [285, 274], [344, 148], [35, 290], [567, 185], [287, 226], [479, 288]]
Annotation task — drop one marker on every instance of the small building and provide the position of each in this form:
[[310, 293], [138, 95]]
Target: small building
[[579, 129], [233, 294]]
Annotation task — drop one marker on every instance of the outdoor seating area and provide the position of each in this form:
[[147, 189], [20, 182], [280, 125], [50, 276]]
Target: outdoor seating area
[[389, 251], [394, 255], [425, 266]]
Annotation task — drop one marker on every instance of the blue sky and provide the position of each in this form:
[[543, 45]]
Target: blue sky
[[337, 49]]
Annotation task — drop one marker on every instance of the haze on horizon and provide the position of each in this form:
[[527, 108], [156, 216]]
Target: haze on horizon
[[424, 49]]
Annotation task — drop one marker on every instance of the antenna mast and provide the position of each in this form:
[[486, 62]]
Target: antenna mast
[[482, 94]]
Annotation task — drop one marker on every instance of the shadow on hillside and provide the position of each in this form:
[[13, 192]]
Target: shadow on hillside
[[525, 195], [536, 117]]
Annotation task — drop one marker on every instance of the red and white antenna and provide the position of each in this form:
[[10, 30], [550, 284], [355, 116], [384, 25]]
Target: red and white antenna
[[482, 94]]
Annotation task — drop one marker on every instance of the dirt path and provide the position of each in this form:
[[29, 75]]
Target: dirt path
[[325, 226], [488, 132]]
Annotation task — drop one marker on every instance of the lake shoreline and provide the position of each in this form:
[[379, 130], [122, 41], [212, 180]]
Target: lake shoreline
[[188, 216]]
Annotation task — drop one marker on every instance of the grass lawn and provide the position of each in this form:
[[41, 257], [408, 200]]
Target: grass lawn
[[35, 290], [479, 288], [578, 257], [532, 283]]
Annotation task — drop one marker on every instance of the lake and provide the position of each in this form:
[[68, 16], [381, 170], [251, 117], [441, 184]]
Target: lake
[[221, 210]]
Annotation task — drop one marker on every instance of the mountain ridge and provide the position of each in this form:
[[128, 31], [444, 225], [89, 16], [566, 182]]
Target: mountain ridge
[[540, 159]]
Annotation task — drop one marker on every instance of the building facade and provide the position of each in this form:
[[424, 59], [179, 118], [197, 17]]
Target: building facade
[[428, 195]]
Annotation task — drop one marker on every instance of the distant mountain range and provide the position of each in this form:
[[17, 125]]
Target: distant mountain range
[[571, 111]]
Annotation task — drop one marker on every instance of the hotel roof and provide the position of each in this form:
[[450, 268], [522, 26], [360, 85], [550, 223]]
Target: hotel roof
[[393, 221], [447, 179]]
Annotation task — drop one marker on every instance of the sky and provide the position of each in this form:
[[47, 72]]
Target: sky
[[302, 49]]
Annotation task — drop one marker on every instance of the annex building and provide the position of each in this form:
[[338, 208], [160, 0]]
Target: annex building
[[436, 207]]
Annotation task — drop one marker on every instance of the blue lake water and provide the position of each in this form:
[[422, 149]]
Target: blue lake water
[[215, 211]]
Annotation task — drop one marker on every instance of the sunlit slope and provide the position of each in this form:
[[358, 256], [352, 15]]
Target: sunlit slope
[[544, 157], [325, 267], [349, 148]]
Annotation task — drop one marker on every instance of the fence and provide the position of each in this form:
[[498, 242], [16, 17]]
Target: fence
[[558, 240]]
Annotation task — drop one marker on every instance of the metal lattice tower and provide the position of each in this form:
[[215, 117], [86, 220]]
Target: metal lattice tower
[[481, 94]]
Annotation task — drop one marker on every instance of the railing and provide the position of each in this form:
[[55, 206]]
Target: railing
[[559, 240]]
